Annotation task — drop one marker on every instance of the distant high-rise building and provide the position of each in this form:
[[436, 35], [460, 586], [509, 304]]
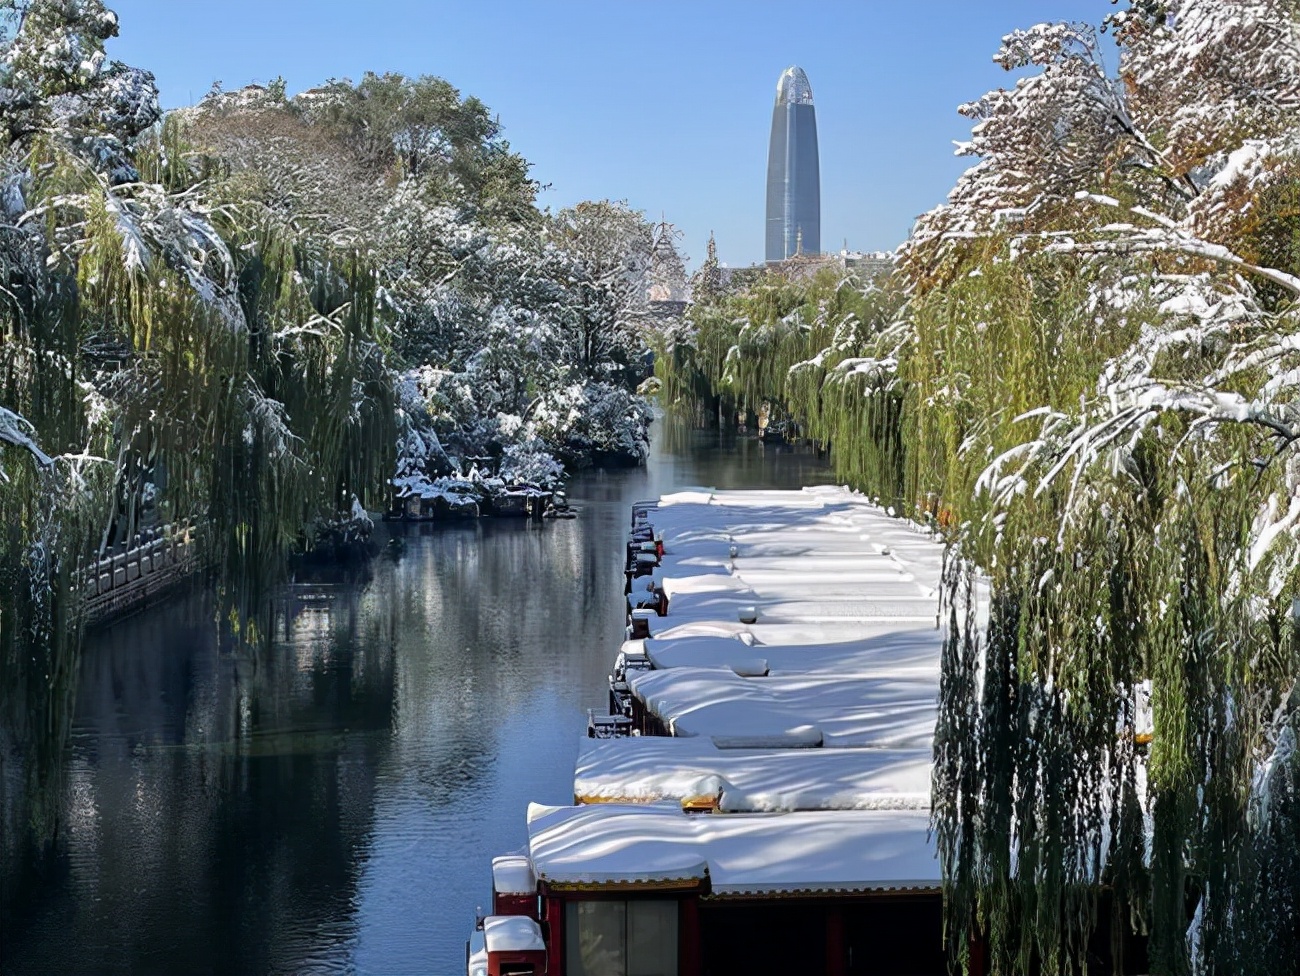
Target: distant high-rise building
[[794, 198]]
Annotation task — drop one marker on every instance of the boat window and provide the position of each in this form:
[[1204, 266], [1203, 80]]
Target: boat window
[[594, 938], [652, 938], [621, 938]]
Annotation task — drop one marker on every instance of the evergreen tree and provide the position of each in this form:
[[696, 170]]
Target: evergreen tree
[[706, 284]]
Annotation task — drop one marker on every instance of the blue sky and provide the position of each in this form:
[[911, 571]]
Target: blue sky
[[666, 105]]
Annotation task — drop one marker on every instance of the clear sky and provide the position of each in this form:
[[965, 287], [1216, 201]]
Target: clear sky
[[664, 104]]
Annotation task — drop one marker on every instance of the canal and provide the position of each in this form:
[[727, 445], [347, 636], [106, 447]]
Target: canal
[[333, 806]]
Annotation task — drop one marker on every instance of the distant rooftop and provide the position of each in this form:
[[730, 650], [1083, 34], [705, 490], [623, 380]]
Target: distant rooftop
[[792, 87]]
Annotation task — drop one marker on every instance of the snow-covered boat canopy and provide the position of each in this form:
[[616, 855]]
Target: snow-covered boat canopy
[[613, 846], [895, 709], [649, 769], [818, 565], [513, 875], [886, 647], [794, 618], [477, 961], [512, 933]]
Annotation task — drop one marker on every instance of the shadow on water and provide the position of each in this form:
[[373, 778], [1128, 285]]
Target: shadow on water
[[332, 804]]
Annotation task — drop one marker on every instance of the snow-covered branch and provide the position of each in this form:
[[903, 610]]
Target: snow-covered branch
[[18, 431]]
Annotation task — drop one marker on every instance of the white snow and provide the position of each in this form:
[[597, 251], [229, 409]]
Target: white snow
[[512, 933], [895, 708], [513, 875], [478, 960], [820, 565], [650, 769], [808, 732], [752, 854], [18, 430], [879, 646]]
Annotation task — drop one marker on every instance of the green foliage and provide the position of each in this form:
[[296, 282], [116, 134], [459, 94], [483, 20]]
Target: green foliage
[[706, 284], [610, 247], [205, 318], [1131, 537], [55, 43], [422, 129], [818, 350], [179, 357]]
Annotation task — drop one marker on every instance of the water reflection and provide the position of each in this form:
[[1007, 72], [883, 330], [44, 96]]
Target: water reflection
[[331, 805]]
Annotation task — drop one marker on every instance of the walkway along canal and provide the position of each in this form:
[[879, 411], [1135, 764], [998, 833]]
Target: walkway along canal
[[330, 808]]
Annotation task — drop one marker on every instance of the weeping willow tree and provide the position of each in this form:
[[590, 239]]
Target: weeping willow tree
[[247, 386], [822, 351], [1115, 723], [165, 348], [1115, 750], [701, 364], [1001, 336], [49, 519]]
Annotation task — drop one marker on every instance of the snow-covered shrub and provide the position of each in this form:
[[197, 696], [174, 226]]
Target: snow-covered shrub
[[530, 463], [419, 450], [595, 421]]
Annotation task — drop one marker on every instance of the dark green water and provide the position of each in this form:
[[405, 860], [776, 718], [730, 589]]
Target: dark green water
[[333, 806]]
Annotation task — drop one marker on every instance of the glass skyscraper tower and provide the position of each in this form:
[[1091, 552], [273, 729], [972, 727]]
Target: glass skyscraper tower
[[794, 199]]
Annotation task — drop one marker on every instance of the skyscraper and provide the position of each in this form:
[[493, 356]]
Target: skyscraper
[[794, 199]]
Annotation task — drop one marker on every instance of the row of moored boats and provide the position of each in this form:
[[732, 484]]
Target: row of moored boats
[[757, 800]]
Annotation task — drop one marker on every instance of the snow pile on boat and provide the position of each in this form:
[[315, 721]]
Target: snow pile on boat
[[794, 618], [755, 854], [650, 769]]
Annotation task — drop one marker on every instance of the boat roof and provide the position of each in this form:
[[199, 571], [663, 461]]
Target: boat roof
[[513, 875], [512, 933], [821, 564], [615, 846], [649, 769], [797, 669], [477, 961], [845, 648], [890, 708], [875, 649]]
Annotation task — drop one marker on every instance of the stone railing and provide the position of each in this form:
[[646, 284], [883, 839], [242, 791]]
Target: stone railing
[[157, 559]]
